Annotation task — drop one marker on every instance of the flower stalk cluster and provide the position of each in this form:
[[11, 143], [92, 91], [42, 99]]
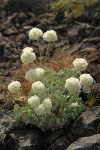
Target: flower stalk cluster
[[54, 97], [49, 36]]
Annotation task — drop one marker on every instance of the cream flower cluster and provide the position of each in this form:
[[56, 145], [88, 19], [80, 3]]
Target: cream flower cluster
[[40, 110], [38, 88], [50, 36], [44, 107], [73, 85], [14, 87], [35, 34], [80, 64], [28, 56], [34, 101], [34, 74], [86, 81], [47, 103]]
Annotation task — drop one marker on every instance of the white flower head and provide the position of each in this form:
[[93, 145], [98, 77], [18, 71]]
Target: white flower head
[[38, 88], [74, 105], [40, 110], [14, 87], [80, 64], [34, 75], [27, 49], [73, 85], [47, 103], [31, 76], [34, 101], [35, 34], [28, 57], [50, 36], [86, 80], [39, 72]]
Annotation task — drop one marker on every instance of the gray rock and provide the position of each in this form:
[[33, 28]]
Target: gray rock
[[53, 136], [6, 123], [25, 139], [35, 6], [87, 123], [85, 143], [59, 144], [76, 34]]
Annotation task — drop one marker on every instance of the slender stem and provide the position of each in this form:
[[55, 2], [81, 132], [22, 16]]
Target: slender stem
[[39, 51], [46, 56]]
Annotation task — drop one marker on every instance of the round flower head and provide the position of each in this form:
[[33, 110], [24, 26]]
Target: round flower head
[[30, 76], [27, 49], [14, 87], [73, 85], [74, 105], [34, 101], [47, 103], [86, 80], [80, 64], [50, 36], [38, 88], [39, 72], [28, 57], [34, 74], [35, 34], [40, 110]]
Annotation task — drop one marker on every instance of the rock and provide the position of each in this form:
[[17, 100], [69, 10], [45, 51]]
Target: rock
[[91, 14], [98, 128], [1, 50], [36, 6], [85, 143], [93, 40], [61, 29], [76, 34], [96, 88], [96, 76], [25, 139], [52, 136], [10, 31], [59, 144], [6, 123], [87, 123]]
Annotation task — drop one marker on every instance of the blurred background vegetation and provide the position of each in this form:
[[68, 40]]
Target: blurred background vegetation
[[71, 7]]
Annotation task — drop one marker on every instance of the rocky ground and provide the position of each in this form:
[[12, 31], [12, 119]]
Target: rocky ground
[[78, 37]]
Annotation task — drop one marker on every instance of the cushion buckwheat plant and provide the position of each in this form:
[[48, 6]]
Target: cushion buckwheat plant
[[54, 97]]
